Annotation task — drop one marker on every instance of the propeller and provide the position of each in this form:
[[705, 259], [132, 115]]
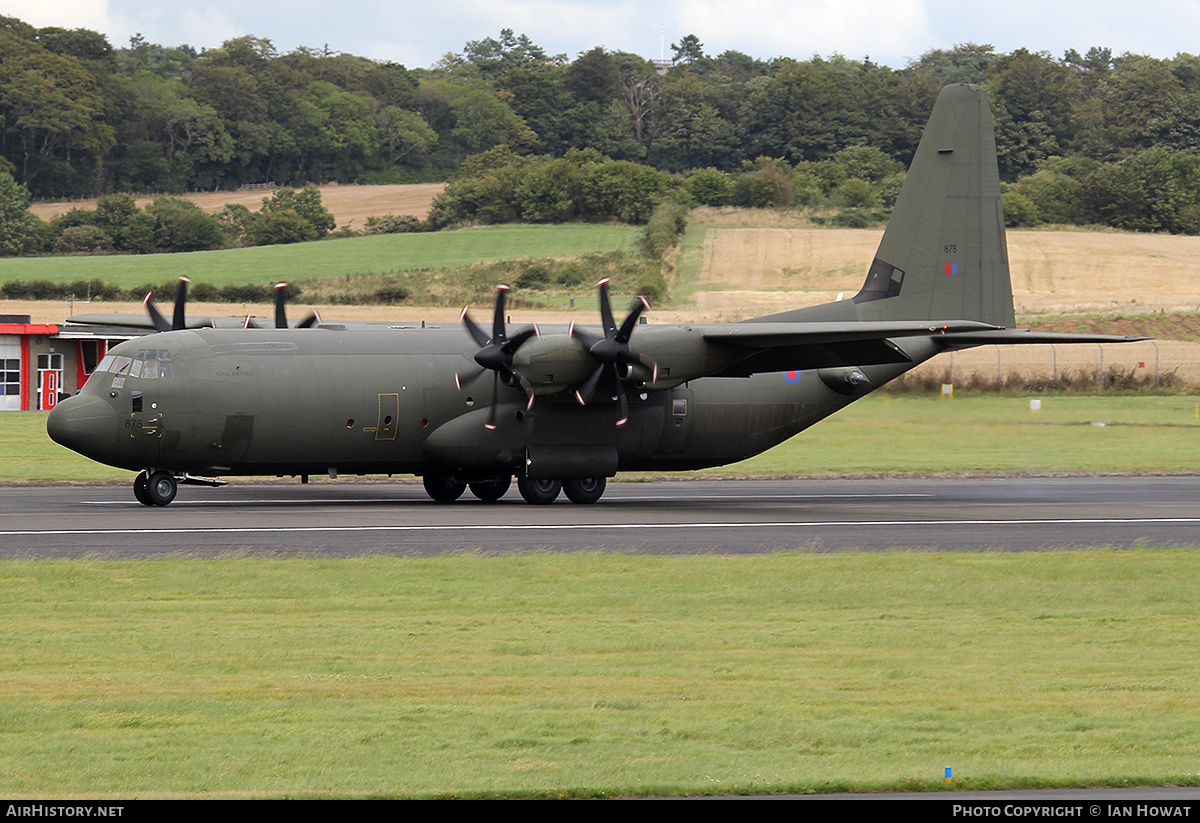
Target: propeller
[[616, 361], [495, 354], [178, 317], [281, 321]]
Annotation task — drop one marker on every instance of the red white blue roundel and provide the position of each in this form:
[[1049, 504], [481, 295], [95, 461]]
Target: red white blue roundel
[[792, 377]]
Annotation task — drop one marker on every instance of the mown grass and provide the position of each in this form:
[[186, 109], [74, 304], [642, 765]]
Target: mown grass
[[598, 675], [881, 434], [993, 433]]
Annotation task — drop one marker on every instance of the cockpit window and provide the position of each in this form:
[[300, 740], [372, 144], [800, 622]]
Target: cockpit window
[[149, 364]]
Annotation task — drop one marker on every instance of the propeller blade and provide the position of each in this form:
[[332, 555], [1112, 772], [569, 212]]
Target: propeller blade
[[606, 315], [179, 320], [622, 410], [586, 339], [498, 315], [310, 321], [584, 394], [526, 387], [477, 334], [463, 378], [635, 310], [516, 340], [490, 425], [160, 322], [280, 311]]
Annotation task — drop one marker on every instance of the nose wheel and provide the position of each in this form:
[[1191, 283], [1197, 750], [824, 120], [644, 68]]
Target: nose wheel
[[155, 488]]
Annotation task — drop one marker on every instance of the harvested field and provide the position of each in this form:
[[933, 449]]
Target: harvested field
[[350, 205], [754, 270]]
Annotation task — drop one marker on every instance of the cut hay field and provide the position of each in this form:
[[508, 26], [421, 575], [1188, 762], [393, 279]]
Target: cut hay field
[[746, 263], [350, 205]]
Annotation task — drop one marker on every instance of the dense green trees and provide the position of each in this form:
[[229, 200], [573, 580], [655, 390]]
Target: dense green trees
[[79, 117], [20, 231]]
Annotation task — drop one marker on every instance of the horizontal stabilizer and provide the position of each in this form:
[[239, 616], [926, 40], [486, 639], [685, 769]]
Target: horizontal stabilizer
[[1020, 337]]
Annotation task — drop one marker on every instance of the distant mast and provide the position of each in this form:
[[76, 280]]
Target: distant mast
[[661, 64]]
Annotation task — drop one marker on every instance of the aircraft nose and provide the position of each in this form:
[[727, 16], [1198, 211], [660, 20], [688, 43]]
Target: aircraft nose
[[83, 423]]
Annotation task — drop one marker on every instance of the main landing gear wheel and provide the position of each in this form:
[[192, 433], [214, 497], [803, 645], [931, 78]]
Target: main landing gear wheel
[[584, 489], [491, 490], [539, 492], [158, 489], [443, 489], [140, 491]]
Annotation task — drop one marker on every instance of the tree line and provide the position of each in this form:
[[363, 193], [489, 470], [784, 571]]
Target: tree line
[[1092, 137]]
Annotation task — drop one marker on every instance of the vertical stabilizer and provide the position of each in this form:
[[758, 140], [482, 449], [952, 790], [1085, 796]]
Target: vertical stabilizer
[[944, 254]]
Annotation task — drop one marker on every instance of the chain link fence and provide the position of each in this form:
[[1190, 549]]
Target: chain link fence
[[1081, 366]]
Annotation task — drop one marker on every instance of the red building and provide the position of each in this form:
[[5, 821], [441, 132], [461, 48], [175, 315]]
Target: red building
[[40, 362]]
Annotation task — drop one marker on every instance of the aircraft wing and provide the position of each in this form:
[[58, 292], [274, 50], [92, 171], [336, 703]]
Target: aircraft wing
[[141, 321], [788, 346]]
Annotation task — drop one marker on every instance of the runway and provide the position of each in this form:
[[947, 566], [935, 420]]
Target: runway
[[335, 518]]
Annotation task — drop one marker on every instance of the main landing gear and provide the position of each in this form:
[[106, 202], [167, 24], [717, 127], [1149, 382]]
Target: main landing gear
[[155, 488], [540, 492]]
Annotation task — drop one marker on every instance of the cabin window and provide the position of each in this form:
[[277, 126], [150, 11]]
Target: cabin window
[[137, 402], [679, 407]]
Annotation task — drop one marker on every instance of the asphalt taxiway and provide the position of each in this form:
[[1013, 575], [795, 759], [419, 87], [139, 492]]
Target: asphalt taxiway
[[336, 518]]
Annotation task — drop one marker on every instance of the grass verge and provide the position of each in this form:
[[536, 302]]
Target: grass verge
[[598, 675], [881, 434]]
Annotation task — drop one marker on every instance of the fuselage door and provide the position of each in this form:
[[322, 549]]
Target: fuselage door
[[389, 417]]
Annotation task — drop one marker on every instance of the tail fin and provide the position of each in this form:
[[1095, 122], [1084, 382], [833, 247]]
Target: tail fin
[[944, 254]]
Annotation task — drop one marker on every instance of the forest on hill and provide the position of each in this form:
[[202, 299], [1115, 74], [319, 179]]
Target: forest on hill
[[1092, 138]]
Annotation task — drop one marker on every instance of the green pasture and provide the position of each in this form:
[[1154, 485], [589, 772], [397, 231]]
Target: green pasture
[[881, 434], [329, 258], [586, 675]]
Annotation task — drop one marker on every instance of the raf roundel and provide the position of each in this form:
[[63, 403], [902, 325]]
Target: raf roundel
[[793, 377]]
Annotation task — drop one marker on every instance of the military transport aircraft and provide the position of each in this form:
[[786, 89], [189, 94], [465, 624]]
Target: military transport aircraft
[[193, 405]]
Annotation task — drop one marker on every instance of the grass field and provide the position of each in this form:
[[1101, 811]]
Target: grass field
[[882, 434], [301, 262], [597, 675]]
